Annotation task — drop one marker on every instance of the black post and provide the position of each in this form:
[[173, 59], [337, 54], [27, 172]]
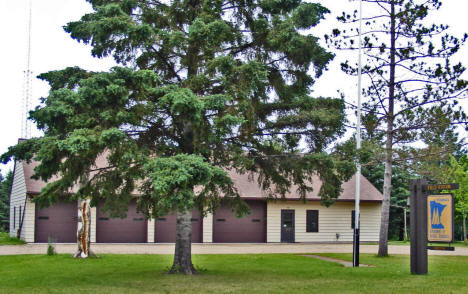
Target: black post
[[418, 253], [356, 247]]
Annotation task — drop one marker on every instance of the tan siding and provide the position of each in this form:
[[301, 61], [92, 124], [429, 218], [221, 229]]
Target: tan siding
[[333, 220], [150, 233], [18, 195], [207, 236], [93, 224]]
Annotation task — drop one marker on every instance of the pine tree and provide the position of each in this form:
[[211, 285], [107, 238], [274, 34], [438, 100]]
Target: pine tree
[[203, 87], [412, 85], [5, 188]]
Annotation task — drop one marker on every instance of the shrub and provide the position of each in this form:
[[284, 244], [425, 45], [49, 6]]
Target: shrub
[[51, 247]]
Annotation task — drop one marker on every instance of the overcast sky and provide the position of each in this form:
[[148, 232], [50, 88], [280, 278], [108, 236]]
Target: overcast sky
[[53, 49]]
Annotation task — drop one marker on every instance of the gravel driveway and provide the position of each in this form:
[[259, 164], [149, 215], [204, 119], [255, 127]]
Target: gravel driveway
[[218, 249]]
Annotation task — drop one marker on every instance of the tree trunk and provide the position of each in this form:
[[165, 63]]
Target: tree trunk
[[385, 216], [84, 230], [183, 247], [464, 226], [405, 236], [383, 235]]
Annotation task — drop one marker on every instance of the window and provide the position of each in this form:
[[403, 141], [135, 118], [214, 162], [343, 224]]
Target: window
[[312, 221], [14, 217], [19, 218]]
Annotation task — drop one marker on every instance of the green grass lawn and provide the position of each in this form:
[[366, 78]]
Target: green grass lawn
[[5, 239], [269, 273]]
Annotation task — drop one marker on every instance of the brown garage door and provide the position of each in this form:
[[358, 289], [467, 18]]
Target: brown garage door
[[131, 229], [58, 222], [251, 228], [165, 228]]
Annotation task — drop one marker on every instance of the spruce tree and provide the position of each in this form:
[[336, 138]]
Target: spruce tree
[[203, 87]]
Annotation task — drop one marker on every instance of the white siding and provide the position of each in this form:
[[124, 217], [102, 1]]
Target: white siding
[[370, 221], [150, 234], [27, 233], [333, 220], [207, 236], [17, 197], [93, 224]]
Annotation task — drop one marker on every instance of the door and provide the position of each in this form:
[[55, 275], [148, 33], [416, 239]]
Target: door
[[250, 228], [58, 222], [165, 228], [287, 226], [131, 229]]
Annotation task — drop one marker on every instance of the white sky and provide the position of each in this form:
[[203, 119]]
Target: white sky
[[53, 49]]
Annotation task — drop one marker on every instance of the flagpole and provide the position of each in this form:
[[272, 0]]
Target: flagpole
[[358, 146]]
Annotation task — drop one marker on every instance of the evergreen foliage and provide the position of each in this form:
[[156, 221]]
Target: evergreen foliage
[[412, 86], [202, 87], [401, 178], [433, 161], [5, 189]]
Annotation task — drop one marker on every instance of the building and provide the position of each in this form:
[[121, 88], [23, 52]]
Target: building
[[288, 220]]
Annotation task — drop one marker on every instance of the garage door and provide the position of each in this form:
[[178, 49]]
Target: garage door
[[58, 222], [251, 228], [131, 229], [165, 228]]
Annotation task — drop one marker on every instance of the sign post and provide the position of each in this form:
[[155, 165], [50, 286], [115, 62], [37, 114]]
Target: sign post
[[431, 221], [418, 247]]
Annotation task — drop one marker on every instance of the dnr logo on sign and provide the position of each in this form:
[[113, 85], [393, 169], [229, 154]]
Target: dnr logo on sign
[[436, 212], [440, 218]]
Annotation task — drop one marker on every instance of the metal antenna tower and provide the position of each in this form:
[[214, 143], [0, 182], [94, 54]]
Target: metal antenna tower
[[27, 86]]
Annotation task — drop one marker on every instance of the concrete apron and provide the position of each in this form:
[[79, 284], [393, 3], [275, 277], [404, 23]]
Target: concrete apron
[[148, 248]]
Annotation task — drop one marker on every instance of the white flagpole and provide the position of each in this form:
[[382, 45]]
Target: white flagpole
[[358, 146]]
